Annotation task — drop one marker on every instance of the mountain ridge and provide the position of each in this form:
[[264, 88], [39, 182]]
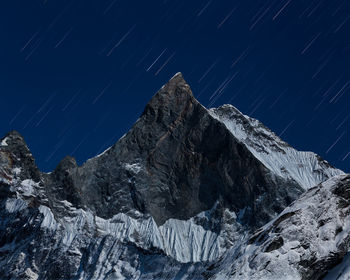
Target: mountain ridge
[[185, 186], [174, 115]]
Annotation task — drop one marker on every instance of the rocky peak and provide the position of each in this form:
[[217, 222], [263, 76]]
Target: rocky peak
[[13, 140], [66, 164], [177, 161], [170, 102], [176, 82], [16, 157]]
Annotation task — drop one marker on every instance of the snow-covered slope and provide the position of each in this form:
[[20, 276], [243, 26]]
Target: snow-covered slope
[[307, 239], [306, 168], [91, 247], [177, 197], [184, 240]]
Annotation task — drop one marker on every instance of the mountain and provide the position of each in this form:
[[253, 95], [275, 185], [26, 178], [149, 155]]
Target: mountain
[[187, 193]]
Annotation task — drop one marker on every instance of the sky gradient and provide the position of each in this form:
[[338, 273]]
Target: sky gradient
[[75, 75]]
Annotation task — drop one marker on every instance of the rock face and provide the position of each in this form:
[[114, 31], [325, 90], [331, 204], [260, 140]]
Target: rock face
[[178, 197], [177, 161]]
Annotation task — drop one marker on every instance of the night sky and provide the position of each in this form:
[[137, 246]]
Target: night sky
[[76, 75]]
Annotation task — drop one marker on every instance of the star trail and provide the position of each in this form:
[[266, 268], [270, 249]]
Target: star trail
[[75, 75]]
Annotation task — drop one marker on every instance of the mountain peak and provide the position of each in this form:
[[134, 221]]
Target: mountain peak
[[172, 98], [177, 77], [68, 162], [184, 185], [176, 82], [15, 150], [13, 133], [13, 138]]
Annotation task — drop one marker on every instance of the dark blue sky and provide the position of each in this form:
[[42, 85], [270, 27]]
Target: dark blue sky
[[75, 75]]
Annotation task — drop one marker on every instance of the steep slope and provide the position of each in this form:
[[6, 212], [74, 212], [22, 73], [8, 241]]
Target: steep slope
[[41, 238], [305, 241], [306, 168], [177, 161], [179, 189]]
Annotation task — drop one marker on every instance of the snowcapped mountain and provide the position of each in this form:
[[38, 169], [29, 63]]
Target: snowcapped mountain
[[187, 193]]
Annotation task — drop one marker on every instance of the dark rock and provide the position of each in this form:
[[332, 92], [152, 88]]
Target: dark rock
[[186, 161], [16, 154], [275, 244]]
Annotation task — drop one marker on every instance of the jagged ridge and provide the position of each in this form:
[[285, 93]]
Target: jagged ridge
[[182, 185]]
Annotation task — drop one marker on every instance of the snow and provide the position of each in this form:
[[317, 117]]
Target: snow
[[105, 151], [184, 240], [49, 221], [16, 170], [188, 241], [13, 205], [304, 167], [3, 142], [134, 168], [27, 187], [30, 274], [67, 204], [74, 225], [315, 220], [143, 232], [177, 74]]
